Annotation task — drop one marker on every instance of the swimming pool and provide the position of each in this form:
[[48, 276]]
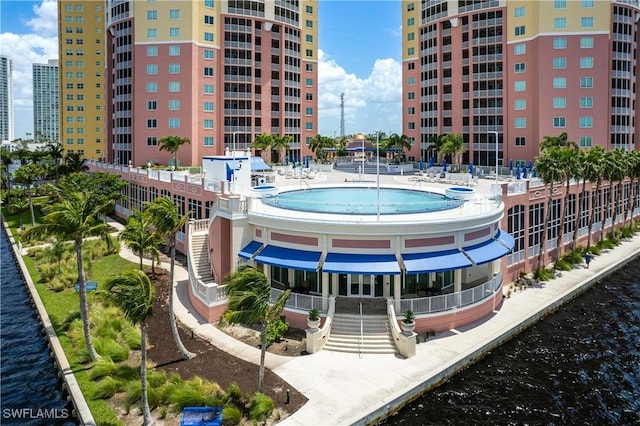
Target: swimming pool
[[361, 201]]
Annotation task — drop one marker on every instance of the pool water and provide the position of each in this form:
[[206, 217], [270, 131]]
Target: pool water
[[361, 201]]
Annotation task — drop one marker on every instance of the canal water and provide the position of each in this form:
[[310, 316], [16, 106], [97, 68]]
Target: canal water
[[31, 393], [580, 366]]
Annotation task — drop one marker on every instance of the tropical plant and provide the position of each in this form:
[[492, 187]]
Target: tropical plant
[[409, 317], [567, 159], [435, 145], [167, 222], [140, 237], [453, 145], [594, 164], [319, 146], [397, 143], [262, 142], [74, 218], [172, 144], [74, 163], [550, 173], [132, 292], [250, 303], [314, 314], [634, 174], [27, 175], [281, 144]]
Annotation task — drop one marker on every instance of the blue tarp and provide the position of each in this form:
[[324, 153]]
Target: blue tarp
[[250, 249], [486, 252], [289, 258], [446, 260], [361, 264]]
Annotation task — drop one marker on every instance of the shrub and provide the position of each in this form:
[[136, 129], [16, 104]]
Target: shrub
[[235, 396], [106, 388], [261, 407], [231, 416], [543, 274], [276, 330], [102, 368], [563, 265], [109, 347]]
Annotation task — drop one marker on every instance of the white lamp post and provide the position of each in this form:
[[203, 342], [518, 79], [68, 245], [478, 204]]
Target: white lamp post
[[495, 132], [378, 170]]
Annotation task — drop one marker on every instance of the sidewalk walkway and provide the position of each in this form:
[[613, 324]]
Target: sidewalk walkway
[[348, 389]]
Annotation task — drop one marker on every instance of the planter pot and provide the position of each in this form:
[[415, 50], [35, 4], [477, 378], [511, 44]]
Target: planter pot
[[313, 324], [407, 327]]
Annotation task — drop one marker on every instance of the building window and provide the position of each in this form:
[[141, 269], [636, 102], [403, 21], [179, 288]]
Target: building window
[[560, 43], [410, 22], [152, 15], [174, 32], [308, 126], [152, 69], [308, 111], [559, 102], [309, 9], [174, 105], [411, 110], [152, 87], [520, 123], [520, 140], [519, 12], [208, 89], [308, 53], [152, 105], [174, 123], [152, 50], [208, 124], [520, 104], [411, 51], [208, 106], [152, 33], [586, 122], [559, 82], [559, 122], [520, 67], [208, 141], [586, 102], [308, 23], [520, 30], [520, 86], [174, 14], [559, 63], [586, 42], [586, 62], [208, 36], [174, 50], [152, 123], [208, 71], [411, 125], [586, 82], [560, 4], [152, 141], [587, 4], [411, 81], [309, 82], [411, 36], [208, 3], [519, 49], [559, 23], [309, 96], [174, 86], [586, 22], [208, 53], [585, 141], [174, 68]]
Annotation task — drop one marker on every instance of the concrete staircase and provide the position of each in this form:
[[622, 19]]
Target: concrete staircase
[[200, 258], [345, 334]]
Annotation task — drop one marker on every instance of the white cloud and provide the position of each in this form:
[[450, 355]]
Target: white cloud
[[370, 104], [38, 46]]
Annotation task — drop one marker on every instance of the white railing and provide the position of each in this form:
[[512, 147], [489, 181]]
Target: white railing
[[198, 225], [444, 302], [302, 302]]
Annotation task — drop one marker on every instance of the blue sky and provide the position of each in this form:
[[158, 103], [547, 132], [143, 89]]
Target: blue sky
[[360, 54]]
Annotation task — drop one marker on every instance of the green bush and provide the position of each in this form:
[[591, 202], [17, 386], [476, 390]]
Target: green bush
[[109, 347], [261, 407], [234, 396], [276, 330], [102, 368], [543, 274], [563, 265], [106, 388], [231, 416]]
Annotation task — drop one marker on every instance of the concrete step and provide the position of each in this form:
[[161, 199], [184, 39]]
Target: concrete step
[[371, 336]]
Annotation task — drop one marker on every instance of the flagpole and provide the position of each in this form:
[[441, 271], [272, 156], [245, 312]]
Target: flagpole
[[378, 170]]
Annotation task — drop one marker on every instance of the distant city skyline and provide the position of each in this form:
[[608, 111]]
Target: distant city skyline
[[360, 50]]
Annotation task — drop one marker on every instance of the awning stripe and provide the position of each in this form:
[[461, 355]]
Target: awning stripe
[[378, 264], [250, 249], [438, 261], [486, 251], [289, 258], [506, 239]]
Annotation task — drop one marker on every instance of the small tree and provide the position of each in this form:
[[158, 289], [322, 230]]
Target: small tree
[[132, 292], [250, 303], [27, 175], [172, 144], [139, 236]]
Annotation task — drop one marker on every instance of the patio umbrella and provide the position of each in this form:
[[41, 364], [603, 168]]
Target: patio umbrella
[[294, 163], [510, 165], [421, 165], [471, 167], [518, 172], [306, 162], [530, 165], [286, 161], [534, 173], [431, 162], [524, 172], [444, 165]]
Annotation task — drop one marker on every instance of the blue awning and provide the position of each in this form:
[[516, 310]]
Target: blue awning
[[289, 258], [361, 264], [446, 260], [250, 249], [506, 239], [486, 252], [257, 164]]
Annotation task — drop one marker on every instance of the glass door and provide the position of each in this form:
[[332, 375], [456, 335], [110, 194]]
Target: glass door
[[361, 285]]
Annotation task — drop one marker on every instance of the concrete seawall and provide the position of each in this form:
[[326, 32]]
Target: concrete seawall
[[70, 384]]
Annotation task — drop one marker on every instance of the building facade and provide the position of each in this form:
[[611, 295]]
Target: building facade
[[6, 100], [81, 34], [46, 112], [217, 73], [506, 74]]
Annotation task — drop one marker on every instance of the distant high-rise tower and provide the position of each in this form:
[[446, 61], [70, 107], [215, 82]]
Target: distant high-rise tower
[[6, 99], [518, 71], [216, 72], [46, 114], [81, 50]]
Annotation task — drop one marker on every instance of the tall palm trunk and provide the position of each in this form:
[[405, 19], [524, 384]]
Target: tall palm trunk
[[605, 211], [560, 240], [172, 317], [576, 225], [593, 212], [144, 399], [84, 308], [33, 215], [263, 352], [547, 218]]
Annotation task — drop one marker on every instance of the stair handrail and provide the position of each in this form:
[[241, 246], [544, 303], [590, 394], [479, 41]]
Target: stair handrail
[[361, 339]]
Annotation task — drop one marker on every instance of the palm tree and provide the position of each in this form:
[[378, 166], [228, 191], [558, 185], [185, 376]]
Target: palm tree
[[132, 292], [250, 303], [594, 173], [617, 171], [320, 144], [172, 144], [634, 173], [549, 171], [74, 163], [27, 175], [167, 221], [567, 159], [281, 144], [435, 145], [262, 142], [75, 218], [397, 142], [453, 145], [139, 236], [562, 140], [56, 152]]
